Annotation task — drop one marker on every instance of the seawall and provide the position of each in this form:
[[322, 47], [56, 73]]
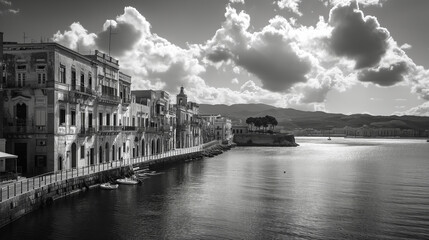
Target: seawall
[[260, 139], [44, 192]]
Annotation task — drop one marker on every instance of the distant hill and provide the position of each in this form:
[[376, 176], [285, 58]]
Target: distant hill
[[291, 118]]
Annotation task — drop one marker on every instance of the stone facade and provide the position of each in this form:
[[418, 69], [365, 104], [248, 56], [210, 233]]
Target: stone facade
[[189, 124], [63, 110]]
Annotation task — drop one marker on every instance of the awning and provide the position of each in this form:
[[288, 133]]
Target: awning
[[7, 155]]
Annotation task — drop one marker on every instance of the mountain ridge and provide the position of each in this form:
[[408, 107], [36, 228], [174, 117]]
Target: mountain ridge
[[291, 118]]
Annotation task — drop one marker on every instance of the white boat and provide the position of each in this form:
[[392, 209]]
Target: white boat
[[108, 186], [329, 138], [127, 181]]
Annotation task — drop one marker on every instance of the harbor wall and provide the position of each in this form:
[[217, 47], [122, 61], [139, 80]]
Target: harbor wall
[[44, 196], [260, 139]]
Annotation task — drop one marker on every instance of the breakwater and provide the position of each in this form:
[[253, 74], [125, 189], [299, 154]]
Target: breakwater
[[25, 196], [260, 139]]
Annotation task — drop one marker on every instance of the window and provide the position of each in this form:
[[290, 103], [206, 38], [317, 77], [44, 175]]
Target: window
[[21, 79], [123, 147], [41, 78], [100, 119], [114, 119], [73, 117], [62, 74], [82, 82], [108, 119], [90, 120], [40, 117], [89, 81], [82, 120], [41, 74], [73, 79], [21, 67], [82, 151], [41, 67], [62, 116]]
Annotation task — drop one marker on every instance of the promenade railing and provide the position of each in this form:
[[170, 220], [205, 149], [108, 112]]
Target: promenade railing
[[25, 185]]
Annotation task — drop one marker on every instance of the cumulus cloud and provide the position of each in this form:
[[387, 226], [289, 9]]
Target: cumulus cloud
[[14, 11], [348, 2], [7, 7], [76, 37], [292, 5], [295, 65], [406, 46], [385, 76], [5, 2], [357, 37], [152, 61], [421, 110], [237, 1], [270, 54]]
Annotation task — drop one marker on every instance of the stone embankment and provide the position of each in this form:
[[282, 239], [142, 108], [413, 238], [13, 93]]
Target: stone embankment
[[261, 139], [25, 196]]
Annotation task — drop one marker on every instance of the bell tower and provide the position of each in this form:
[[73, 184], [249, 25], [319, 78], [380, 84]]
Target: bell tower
[[182, 98]]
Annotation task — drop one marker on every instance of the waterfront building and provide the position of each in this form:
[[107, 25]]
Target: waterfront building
[[188, 122], [208, 126], [47, 97], [64, 110], [222, 126], [239, 129], [159, 130]]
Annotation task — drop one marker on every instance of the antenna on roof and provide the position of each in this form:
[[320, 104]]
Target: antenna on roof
[[24, 37], [110, 34]]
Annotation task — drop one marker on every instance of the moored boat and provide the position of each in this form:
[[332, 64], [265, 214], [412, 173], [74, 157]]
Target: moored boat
[[108, 186], [127, 181]]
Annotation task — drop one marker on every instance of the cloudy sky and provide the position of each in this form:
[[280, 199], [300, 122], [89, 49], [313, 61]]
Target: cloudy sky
[[342, 56]]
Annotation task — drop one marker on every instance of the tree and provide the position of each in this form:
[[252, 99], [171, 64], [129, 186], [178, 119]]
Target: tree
[[258, 123], [250, 121]]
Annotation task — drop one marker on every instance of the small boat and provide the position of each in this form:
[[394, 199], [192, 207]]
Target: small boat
[[329, 138], [127, 181], [109, 186], [427, 140], [152, 173]]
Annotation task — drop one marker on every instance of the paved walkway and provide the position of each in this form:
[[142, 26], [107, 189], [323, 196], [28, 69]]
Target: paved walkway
[[24, 185]]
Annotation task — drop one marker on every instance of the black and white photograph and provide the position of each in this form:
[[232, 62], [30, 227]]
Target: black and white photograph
[[214, 119]]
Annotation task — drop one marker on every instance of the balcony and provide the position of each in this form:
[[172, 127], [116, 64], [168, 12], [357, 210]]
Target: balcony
[[23, 127], [109, 128], [129, 128], [87, 131], [109, 99], [26, 84], [126, 101]]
